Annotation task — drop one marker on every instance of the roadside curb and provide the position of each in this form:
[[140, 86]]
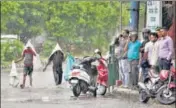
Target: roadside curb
[[125, 90], [126, 93]]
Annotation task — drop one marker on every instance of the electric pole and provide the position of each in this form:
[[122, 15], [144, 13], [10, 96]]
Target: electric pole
[[134, 15]]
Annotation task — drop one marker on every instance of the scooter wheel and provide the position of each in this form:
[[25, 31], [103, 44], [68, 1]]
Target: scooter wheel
[[76, 90], [95, 93], [101, 90]]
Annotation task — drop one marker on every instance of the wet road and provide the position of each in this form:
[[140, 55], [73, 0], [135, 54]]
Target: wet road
[[45, 94]]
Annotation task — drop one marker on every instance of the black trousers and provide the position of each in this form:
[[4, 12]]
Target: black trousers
[[57, 71], [164, 64]]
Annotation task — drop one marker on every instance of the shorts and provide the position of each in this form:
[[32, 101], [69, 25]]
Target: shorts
[[28, 70]]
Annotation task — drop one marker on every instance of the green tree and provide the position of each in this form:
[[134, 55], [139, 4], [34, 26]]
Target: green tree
[[11, 50], [84, 25]]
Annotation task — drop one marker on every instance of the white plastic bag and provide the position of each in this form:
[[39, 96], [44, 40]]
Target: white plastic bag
[[57, 48], [13, 71], [37, 63], [30, 44], [14, 80]]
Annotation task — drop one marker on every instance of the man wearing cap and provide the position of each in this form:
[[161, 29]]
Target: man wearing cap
[[165, 50], [133, 49], [28, 64]]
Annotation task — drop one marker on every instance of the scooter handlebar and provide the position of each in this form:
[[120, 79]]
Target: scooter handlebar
[[89, 59]]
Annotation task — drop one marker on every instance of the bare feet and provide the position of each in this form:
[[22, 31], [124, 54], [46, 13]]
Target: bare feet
[[22, 86]]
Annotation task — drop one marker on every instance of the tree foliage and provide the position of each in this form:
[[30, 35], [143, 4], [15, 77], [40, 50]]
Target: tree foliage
[[11, 50], [86, 25]]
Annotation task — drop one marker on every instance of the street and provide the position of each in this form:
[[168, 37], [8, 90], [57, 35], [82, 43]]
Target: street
[[132, 42], [45, 94]]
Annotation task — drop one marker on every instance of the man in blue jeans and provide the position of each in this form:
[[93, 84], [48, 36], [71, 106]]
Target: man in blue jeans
[[133, 50]]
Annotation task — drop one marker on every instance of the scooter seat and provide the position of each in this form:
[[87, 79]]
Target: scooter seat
[[83, 69], [76, 67]]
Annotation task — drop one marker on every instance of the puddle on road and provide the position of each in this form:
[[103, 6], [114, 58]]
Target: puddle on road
[[82, 100], [61, 95], [56, 99], [55, 95]]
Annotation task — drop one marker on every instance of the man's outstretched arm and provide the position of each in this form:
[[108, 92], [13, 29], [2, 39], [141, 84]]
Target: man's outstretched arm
[[22, 57], [19, 59], [48, 63]]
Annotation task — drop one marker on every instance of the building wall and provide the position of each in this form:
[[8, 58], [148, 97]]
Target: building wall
[[169, 19]]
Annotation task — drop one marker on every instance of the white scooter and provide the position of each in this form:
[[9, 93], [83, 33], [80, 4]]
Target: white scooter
[[79, 77]]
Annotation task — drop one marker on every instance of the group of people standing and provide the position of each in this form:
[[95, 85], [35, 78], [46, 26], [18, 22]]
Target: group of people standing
[[154, 53]]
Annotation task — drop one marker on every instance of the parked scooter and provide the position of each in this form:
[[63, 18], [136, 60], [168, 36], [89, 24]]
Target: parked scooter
[[102, 73], [79, 77], [166, 94], [102, 77], [152, 85]]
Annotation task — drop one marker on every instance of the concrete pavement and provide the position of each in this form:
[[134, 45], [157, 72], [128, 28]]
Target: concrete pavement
[[45, 94]]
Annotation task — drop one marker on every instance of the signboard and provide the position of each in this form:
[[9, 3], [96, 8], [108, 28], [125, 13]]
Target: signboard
[[154, 14], [9, 36]]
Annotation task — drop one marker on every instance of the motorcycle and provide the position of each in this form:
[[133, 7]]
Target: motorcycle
[[152, 85], [102, 77], [148, 89], [166, 94], [79, 77]]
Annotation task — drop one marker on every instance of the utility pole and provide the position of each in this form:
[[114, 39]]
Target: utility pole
[[120, 16], [145, 14], [134, 17]]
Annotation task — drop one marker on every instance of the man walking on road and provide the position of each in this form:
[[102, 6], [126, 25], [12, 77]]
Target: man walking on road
[[28, 64], [165, 50], [57, 57], [133, 49]]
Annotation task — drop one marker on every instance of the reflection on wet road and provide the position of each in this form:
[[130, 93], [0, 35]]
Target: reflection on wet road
[[45, 94]]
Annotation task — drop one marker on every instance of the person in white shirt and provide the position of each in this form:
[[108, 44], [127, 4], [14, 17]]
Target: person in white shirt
[[151, 51]]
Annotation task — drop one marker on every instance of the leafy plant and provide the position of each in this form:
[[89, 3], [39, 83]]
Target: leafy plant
[[11, 50]]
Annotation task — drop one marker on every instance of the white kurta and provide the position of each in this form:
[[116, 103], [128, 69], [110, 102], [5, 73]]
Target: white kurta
[[152, 50]]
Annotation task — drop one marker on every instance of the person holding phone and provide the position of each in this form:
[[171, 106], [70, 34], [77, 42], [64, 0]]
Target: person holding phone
[[132, 48]]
